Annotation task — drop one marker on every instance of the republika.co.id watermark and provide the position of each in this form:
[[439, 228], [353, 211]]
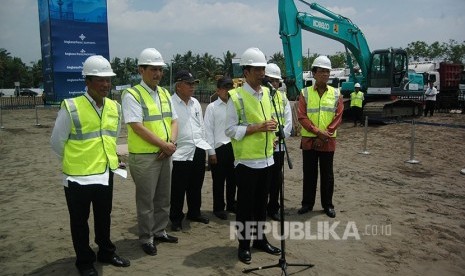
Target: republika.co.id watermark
[[297, 230]]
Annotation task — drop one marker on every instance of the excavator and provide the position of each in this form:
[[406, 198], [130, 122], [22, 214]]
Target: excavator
[[391, 91]]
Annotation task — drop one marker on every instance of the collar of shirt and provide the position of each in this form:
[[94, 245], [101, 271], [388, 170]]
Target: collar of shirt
[[94, 103], [252, 92], [150, 90], [177, 99]]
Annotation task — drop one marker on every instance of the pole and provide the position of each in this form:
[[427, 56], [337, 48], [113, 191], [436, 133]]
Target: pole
[[1, 118], [171, 76], [37, 117], [412, 146], [365, 129]]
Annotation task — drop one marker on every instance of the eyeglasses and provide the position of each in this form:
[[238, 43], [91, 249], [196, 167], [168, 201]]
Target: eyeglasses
[[274, 80]]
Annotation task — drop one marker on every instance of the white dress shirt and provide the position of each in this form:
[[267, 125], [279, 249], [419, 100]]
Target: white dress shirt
[[191, 129], [132, 110], [237, 132], [60, 135], [215, 125], [431, 94]]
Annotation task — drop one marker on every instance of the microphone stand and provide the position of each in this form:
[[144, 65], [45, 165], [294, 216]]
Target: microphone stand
[[282, 263]]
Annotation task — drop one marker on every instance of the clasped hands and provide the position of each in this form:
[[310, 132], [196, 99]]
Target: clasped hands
[[166, 150]]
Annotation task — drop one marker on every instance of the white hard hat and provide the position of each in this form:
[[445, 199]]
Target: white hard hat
[[272, 70], [322, 62], [357, 85], [150, 56], [253, 57], [97, 66]]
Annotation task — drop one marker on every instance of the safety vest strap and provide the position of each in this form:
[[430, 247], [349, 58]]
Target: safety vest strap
[[146, 115]]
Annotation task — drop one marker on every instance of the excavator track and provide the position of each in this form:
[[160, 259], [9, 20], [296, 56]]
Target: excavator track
[[393, 109]]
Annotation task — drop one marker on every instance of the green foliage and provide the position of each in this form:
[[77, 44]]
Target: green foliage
[[207, 67]]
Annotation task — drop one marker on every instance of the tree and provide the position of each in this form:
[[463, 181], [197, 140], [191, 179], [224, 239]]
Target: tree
[[226, 63]]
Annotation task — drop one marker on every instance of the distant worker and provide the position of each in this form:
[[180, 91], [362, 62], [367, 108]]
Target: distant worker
[[283, 115], [84, 137], [252, 130], [430, 99], [189, 158], [152, 130], [320, 114], [221, 156], [356, 104]]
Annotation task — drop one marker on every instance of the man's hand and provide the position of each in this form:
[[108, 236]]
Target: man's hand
[[212, 159], [167, 150]]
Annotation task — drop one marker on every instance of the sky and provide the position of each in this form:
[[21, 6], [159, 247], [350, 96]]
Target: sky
[[214, 27]]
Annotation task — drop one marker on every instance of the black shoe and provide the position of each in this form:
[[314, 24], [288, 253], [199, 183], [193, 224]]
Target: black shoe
[[90, 271], [176, 226], [330, 212], [115, 260], [274, 216], [149, 249], [221, 215], [304, 209], [266, 247], [199, 218], [167, 238], [244, 256]]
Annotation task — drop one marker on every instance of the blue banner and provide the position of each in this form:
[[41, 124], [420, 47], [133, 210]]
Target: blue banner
[[70, 31]]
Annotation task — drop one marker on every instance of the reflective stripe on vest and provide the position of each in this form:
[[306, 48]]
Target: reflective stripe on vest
[[250, 110], [156, 119], [320, 110], [356, 99], [91, 146]]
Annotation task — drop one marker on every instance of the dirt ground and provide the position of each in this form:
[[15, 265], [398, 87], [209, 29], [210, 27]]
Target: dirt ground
[[393, 217]]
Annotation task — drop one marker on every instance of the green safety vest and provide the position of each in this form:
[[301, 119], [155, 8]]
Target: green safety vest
[[91, 145], [157, 120], [320, 111], [280, 101], [250, 110], [356, 99]]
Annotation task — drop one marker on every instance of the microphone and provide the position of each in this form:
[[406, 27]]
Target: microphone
[[271, 87]]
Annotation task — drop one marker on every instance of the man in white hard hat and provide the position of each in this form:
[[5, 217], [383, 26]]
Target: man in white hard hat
[[250, 126], [84, 137], [283, 115], [152, 131], [356, 104], [320, 114]]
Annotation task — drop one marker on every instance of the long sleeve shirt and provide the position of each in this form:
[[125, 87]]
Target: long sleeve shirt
[[60, 135], [236, 131], [191, 129], [215, 125], [307, 142]]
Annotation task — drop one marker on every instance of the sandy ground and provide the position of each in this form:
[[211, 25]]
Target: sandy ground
[[393, 217]]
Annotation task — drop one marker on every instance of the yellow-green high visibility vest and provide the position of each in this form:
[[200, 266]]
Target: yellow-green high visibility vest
[[280, 101], [250, 110], [320, 111], [157, 120], [356, 99], [91, 146]]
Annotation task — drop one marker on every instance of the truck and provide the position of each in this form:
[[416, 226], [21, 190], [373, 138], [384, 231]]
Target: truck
[[391, 90], [447, 78]]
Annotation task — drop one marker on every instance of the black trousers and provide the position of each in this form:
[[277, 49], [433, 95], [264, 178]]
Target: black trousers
[[357, 114], [276, 182], [79, 198], [430, 105], [223, 171], [311, 158], [187, 180], [252, 193]]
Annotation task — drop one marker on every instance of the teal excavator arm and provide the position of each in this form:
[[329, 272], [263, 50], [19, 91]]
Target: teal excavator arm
[[336, 27]]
